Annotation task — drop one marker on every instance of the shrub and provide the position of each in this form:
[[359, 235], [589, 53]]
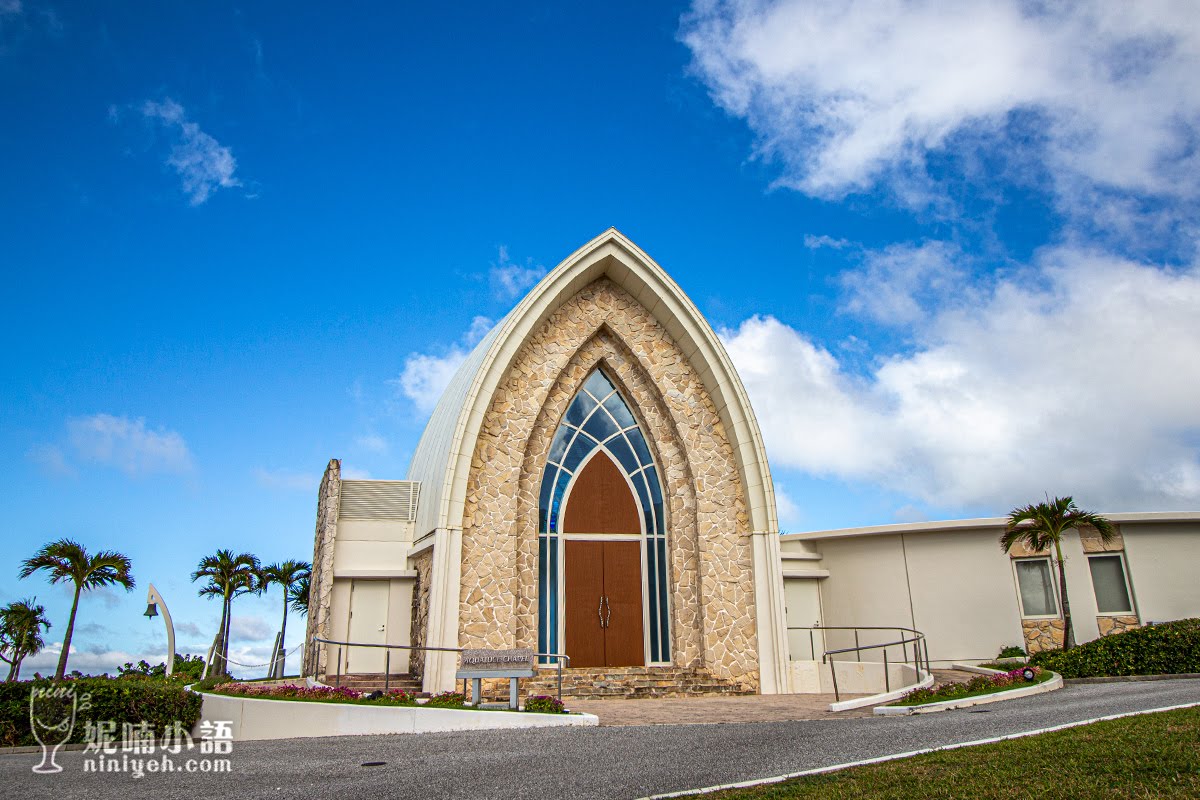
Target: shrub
[[447, 700], [542, 704], [157, 703], [1012, 651], [1166, 649], [187, 669]]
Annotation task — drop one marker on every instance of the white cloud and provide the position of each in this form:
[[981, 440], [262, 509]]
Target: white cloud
[[789, 512], [51, 459], [203, 164], [128, 444], [286, 479], [192, 629], [355, 474], [1078, 377], [819, 242], [902, 283], [89, 661], [510, 279], [426, 376], [372, 442], [846, 95], [256, 629]]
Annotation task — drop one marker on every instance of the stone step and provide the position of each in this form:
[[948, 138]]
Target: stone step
[[630, 682]]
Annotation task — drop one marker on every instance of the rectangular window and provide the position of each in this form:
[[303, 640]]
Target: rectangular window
[[1037, 587], [1108, 579]]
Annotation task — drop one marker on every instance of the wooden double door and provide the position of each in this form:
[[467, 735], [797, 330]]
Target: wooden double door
[[603, 590]]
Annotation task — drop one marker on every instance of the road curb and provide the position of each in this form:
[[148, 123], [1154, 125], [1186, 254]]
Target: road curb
[[1131, 678], [947, 705]]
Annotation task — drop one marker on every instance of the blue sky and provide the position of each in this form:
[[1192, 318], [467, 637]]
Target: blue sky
[[952, 253]]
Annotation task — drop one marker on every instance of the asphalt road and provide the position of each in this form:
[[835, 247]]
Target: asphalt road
[[606, 762]]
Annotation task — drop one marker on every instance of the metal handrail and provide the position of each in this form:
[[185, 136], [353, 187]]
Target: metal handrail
[[387, 656], [918, 641]]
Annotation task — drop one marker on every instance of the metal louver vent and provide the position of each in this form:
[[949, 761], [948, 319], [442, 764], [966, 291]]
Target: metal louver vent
[[379, 500]]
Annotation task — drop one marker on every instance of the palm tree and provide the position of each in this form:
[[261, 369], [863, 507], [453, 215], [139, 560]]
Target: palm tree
[[68, 560], [287, 575], [298, 595], [21, 626], [228, 576], [1042, 525]]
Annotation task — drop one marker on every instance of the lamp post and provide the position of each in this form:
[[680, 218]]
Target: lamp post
[[153, 600]]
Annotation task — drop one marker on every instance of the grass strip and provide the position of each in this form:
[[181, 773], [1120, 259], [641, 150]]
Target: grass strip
[[1146, 756]]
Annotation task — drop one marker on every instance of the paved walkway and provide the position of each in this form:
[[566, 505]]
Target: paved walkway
[[711, 710], [606, 763]]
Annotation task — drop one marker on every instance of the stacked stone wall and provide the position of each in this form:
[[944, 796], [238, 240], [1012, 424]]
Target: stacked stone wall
[[320, 590], [419, 631]]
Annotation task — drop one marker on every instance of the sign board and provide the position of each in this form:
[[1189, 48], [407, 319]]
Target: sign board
[[496, 664]]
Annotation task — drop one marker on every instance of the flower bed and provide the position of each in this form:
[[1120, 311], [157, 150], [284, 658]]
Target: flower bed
[[979, 685], [396, 697], [314, 694]]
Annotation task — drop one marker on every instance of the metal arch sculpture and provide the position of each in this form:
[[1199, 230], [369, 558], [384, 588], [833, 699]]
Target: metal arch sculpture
[[154, 599]]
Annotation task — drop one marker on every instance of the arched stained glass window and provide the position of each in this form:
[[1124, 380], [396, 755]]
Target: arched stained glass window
[[599, 418]]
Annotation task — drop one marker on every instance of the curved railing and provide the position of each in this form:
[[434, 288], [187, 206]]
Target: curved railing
[[559, 658], [919, 649]]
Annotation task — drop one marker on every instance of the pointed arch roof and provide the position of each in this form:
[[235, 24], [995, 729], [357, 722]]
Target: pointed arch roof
[[442, 459]]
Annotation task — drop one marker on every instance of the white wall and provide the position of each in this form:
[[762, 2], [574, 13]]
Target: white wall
[[964, 596], [953, 582], [1164, 568]]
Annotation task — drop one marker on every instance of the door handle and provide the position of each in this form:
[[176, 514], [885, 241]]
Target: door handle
[[607, 605], [600, 611]]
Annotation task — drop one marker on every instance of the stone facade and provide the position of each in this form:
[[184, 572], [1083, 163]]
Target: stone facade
[[1118, 624], [423, 564], [1042, 634], [320, 591], [1089, 537], [711, 571]]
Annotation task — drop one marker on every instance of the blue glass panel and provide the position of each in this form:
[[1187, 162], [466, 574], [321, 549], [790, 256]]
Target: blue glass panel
[[639, 483], [600, 426], [652, 479], [651, 579], [559, 446], [598, 385], [616, 406], [553, 592], [583, 445], [581, 406], [560, 487], [624, 453], [639, 445], [543, 594], [656, 499], [664, 619], [544, 498]]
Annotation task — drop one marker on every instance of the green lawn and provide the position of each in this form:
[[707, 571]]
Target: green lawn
[[1148, 756]]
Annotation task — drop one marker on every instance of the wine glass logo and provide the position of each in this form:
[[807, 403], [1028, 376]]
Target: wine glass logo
[[52, 719]]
